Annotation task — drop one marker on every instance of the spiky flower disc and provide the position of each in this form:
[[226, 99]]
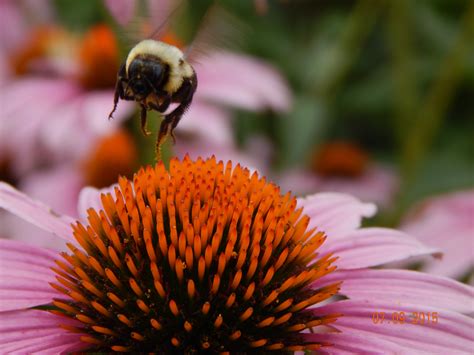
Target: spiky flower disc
[[203, 258]]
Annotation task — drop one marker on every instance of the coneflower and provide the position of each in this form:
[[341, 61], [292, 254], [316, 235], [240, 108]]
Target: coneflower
[[207, 257]]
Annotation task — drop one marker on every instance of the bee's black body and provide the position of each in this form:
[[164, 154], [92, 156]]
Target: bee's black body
[[156, 75]]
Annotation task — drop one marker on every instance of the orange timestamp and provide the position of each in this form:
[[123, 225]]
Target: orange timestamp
[[420, 318]]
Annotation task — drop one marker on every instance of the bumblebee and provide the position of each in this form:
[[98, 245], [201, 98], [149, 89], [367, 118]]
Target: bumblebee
[[156, 74]]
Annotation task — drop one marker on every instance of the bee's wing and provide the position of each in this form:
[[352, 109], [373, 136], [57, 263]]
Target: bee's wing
[[143, 24], [218, 29], [163, 15]]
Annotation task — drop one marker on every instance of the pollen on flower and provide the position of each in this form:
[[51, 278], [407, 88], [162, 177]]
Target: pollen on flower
[[201, 258]]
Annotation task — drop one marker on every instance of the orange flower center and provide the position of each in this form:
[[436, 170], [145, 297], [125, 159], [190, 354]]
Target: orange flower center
[[43, 42], [340, 159], [205, 257], [99, 58], [114, 155]]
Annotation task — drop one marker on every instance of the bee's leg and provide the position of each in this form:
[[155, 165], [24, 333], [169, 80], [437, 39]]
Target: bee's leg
[[165, 130], [171, 120], [143, 121], [165, 104], [118, 89]]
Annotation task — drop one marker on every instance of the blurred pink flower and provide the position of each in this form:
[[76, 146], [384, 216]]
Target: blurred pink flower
[[366, 290], [445, 222], [18, 17], [378, 184], [55, 94], [45, 115], [342, 166], [121, 10], [241, 81], [59, 186]]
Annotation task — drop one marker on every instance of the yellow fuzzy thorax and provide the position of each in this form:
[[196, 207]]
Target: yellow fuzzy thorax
[[168, 54]]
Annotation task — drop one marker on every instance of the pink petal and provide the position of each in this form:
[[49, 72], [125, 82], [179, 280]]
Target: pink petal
[[378, 184], [335, 214], [89, 197], [436, 218], [299, 181], [348, 343], [35, 212], [24, 275], [374, 246], [29, 331], [56, 137], [58, 188], [121, 10], [13, 27], [26, 107], [96, 107], [452, 333], [87, 113], [242, 81], [208, 122], [402, 287], [159, 11]]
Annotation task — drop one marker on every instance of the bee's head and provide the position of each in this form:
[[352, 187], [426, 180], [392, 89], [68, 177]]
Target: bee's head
[[145, 76]]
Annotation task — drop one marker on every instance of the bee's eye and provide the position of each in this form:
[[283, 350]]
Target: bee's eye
[[156, 70]]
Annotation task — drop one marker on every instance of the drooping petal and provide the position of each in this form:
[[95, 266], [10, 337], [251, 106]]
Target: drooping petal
[[29, 331], [369, 247], [334, 213], [402, 287], [450, 333], [24, 275], [35, 212]]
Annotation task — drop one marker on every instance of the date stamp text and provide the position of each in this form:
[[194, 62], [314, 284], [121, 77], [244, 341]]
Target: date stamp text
[[419, 318]]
